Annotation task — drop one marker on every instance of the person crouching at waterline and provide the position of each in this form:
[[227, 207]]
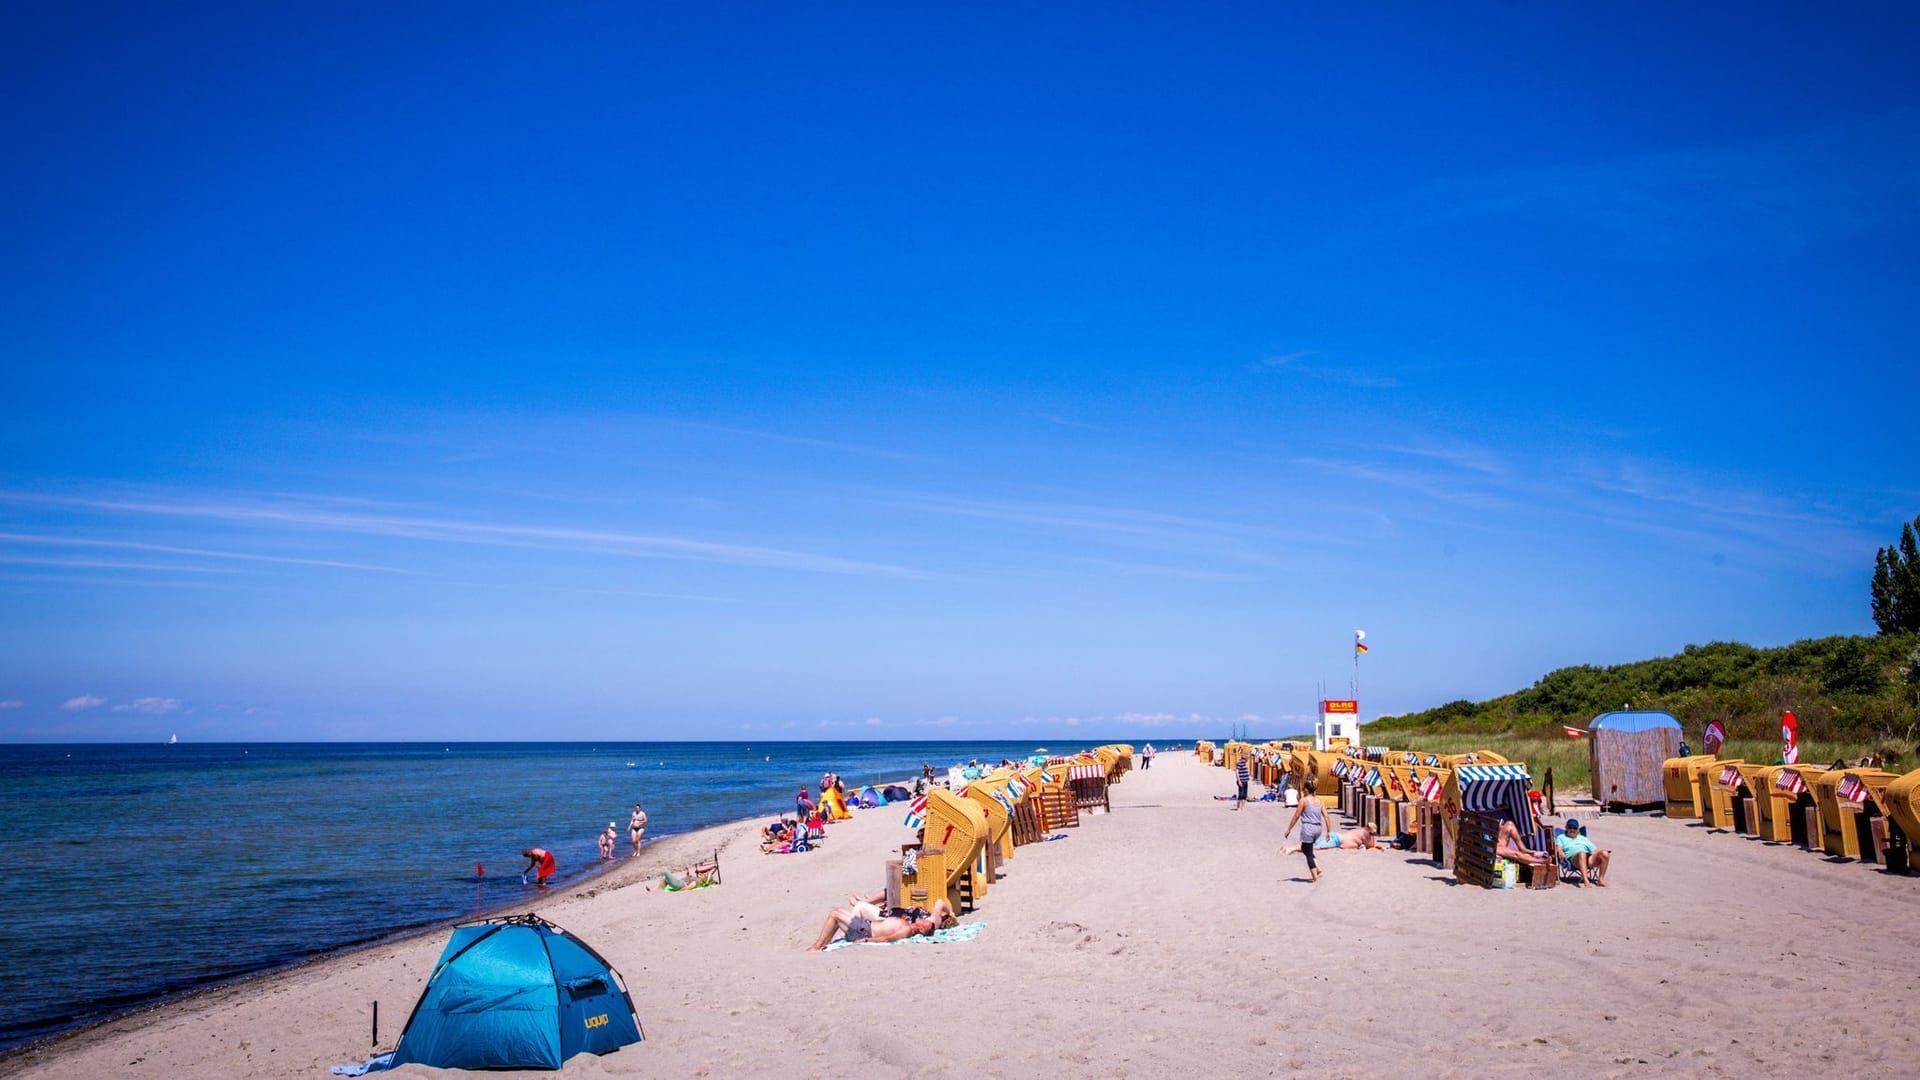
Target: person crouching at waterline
[[539, 863]]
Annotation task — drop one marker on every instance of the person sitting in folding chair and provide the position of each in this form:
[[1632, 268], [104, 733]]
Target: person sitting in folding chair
[[1579, 856]]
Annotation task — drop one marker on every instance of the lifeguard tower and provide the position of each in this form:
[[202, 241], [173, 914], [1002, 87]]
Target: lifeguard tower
[[1339, 719]]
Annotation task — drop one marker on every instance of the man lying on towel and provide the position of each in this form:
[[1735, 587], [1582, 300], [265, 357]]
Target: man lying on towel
[[864, 921]]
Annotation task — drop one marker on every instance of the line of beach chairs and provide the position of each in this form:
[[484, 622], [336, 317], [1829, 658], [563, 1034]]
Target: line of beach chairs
[[1866, 814], [1448, 807], [968, 834]]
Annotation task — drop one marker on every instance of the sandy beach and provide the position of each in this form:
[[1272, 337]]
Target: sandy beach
[[1165, 937]]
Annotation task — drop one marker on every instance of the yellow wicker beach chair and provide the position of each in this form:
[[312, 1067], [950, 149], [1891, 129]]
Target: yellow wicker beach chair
[[1901, 798], [1846, 826], [1775, 798], [958, 827], [999, 826], [1680, 775], [1777, 790]]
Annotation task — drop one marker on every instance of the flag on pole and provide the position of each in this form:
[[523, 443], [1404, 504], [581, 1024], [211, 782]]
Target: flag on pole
[[1359, 642], [1716, 736], [1789, 738], [1573, 732]]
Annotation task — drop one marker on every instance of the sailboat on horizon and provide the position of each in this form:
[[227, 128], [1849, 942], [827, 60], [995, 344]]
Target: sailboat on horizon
[[173, 740]]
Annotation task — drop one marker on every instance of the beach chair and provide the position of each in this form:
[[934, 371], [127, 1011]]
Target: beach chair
[[1850, 801], [1901, 827], [957, 825], [999, 825], [1678, 775]]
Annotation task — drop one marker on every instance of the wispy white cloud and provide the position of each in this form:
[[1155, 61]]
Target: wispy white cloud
[[940, 721], [869, 722], [1459, 455], [8, 559], [50, 540], [1295, 363], [152, 706], [791, 440], [1079, 425], [1450, 488], [13, 703], [82, 703], [447, 530]]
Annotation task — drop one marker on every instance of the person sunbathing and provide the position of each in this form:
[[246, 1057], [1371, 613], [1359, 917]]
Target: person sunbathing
[[775, 834], [873, 908], [856, 928], [1508, 845], [1353, 840]]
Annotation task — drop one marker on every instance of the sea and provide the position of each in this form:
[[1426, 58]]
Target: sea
[[139, 872]]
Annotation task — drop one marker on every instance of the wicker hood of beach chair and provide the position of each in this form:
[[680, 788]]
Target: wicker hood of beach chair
[[1901, 797], [957, 824], [1786, 789], [1846, 818], [999, 821], [1680, 777]]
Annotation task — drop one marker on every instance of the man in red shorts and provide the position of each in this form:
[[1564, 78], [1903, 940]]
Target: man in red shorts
[[540, 861]]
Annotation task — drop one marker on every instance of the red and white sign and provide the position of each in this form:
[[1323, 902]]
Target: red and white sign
[[1350, 708], [1789, 738]]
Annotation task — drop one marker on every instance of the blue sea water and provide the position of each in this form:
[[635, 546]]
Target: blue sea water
[[141, 871]]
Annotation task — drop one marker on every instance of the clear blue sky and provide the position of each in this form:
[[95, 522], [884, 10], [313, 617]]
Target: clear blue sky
[[463, 371]]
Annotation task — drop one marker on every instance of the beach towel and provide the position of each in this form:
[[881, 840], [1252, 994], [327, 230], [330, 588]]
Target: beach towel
[[379, 1064], [963, 932]]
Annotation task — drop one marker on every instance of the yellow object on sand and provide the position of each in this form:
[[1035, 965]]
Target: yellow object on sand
[[1902, 800], [833, 806], [1680, 776]]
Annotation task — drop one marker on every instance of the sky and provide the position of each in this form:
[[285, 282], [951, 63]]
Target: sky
[[594, 371]]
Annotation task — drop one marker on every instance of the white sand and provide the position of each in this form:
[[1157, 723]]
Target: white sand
[[1168, 938]]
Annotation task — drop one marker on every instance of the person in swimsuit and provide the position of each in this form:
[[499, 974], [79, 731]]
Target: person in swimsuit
[[608, 840], [539, 863], [870, 906], [856, 927], [1509, 846], [636, 826]]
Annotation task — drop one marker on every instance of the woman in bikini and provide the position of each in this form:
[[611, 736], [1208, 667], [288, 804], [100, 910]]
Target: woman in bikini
[[636, 825]]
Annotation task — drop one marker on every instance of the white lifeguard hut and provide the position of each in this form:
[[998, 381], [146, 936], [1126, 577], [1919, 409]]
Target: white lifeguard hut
[[1339, 719]]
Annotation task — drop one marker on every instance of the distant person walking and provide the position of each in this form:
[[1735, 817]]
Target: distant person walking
[[539, 864], [1311, 816], [636, 828], [1241, 777], [1146, 758]]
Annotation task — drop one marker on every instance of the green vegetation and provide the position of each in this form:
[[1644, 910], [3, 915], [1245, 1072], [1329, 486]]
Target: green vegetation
[[1843, 689], [1852, 695], [1896, 584]]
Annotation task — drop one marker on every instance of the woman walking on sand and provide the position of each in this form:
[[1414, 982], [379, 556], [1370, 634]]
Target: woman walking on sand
[[1311, 816], [636, 826]]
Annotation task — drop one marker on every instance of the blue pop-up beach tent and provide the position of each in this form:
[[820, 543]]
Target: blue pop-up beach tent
[[517, 993]]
